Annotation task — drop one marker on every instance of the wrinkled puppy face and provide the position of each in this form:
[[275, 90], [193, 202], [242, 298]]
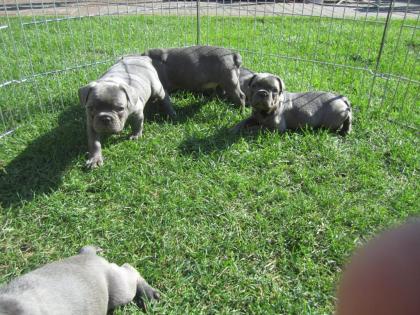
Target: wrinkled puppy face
[[265, 92], [106, 107]]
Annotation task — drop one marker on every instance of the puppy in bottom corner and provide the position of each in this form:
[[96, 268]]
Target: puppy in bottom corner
[[77, 285], [275, 109], [121, 93]]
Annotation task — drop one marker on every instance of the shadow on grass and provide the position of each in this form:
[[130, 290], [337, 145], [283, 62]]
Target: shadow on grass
[[219, 141], [39, 168], [154, 113], [224, 138], [187, 112]]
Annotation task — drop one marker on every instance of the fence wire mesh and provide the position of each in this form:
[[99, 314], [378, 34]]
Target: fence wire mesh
[[368, 48]]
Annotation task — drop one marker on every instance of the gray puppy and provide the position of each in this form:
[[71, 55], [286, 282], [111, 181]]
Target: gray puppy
[[199, 68], [275, 109], [120, 93], [77, 285]]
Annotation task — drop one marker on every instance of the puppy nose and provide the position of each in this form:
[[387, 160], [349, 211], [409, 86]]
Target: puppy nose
[[262, 93], [106, 119]]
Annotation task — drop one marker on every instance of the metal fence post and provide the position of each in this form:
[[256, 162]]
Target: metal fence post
[[198, 21], [381, 48]]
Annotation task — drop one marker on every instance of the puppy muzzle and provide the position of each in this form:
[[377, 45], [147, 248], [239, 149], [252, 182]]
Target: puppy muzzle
[[107, 123], [262, 101]]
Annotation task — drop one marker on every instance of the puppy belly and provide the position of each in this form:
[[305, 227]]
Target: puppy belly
[[209, 86], [296, 120]]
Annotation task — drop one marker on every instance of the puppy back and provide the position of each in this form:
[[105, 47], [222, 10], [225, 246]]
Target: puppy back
[[12, 306]]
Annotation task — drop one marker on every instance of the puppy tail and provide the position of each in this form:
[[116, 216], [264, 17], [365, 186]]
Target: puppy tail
[[90, 250], [347, 124], [157, 54]]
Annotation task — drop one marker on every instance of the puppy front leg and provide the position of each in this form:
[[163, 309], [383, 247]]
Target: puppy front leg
[[136, 123], [145, 291], [249, 123], [95, 151], [125, 284]]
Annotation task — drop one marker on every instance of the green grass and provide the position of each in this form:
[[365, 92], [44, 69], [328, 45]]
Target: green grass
[[258, 224]]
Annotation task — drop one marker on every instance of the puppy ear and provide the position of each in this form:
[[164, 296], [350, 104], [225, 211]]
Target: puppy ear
[[131, 94], [252, 79], [84, 92], [282, 86]]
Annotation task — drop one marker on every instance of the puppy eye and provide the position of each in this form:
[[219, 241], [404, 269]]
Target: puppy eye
[[119, 109]]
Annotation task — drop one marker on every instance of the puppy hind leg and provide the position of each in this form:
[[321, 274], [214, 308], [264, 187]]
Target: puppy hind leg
[[166, 103], [232, 88], [168, 107]]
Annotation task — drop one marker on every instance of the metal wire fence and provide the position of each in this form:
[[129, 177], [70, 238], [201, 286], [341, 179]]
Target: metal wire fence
[[366, 48]]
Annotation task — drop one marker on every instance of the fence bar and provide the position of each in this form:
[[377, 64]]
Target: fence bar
[[298, 40], [8, 132], [385, 76], [198, 22], [37, 75], [381, 48]]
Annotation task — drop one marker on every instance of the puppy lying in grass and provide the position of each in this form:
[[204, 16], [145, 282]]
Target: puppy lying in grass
[[77, 285], [275, 109]]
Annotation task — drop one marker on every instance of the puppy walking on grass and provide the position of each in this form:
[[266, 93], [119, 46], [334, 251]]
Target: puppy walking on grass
[[77, 285], [199, 68], [275, 109], [121, 93]]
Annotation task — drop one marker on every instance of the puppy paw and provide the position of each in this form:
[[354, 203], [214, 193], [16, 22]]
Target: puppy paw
[[146, 293], [235, 130], [135, 136], [94, 162], [152, 293], [172, 114]]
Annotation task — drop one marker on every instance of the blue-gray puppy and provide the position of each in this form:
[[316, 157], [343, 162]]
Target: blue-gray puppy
[[275, 109], [77, 285], [120, 93], [199, 68]]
